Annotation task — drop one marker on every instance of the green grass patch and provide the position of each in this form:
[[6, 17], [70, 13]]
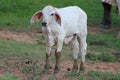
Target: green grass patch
[[19, 49], [8, 76], [105, 57], [103, 52], [16, 16], [103, 76], [93, 75]]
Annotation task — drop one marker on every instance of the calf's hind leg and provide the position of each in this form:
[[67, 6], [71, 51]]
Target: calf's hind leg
[[75, 50], [83, 46]]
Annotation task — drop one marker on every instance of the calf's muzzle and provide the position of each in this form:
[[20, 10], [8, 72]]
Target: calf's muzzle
[[44, 24]]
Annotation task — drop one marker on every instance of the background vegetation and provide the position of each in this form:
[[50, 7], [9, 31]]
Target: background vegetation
[[17, 14]]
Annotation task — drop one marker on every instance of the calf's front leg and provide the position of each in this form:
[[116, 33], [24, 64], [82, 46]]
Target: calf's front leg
[[58, 53], [48, 54]]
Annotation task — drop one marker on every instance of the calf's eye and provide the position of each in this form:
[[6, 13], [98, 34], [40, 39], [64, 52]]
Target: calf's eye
[[52, 14]]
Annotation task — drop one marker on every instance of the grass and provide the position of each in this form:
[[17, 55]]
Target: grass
[[93, 75], [103, 76], [105, 57], [103, 52], [20, 49], [16, 16], [8, 76]]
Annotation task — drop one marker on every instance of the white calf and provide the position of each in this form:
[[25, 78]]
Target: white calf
[[63, 25]]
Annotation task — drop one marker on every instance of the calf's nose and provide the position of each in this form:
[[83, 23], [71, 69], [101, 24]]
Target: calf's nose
[[44, 24]]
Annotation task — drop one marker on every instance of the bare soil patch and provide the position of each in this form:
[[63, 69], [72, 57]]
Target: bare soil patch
[[94, 30], [93, 43], [16, 36], [16, 70], [99, 67], [25, 37]]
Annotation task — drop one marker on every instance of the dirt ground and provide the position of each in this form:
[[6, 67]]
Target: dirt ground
[[16, 36], [65, 65], [24, 37]]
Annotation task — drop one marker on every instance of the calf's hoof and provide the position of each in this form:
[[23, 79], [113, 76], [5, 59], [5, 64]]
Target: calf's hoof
[[56, 70], [75, 68], [47, 67], [82, 67]]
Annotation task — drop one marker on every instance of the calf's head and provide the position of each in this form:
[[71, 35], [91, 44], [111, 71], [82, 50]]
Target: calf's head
[[48, 14]]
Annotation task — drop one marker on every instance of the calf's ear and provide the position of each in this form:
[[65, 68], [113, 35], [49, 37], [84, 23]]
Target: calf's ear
[[36, 17], [58, 18]]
